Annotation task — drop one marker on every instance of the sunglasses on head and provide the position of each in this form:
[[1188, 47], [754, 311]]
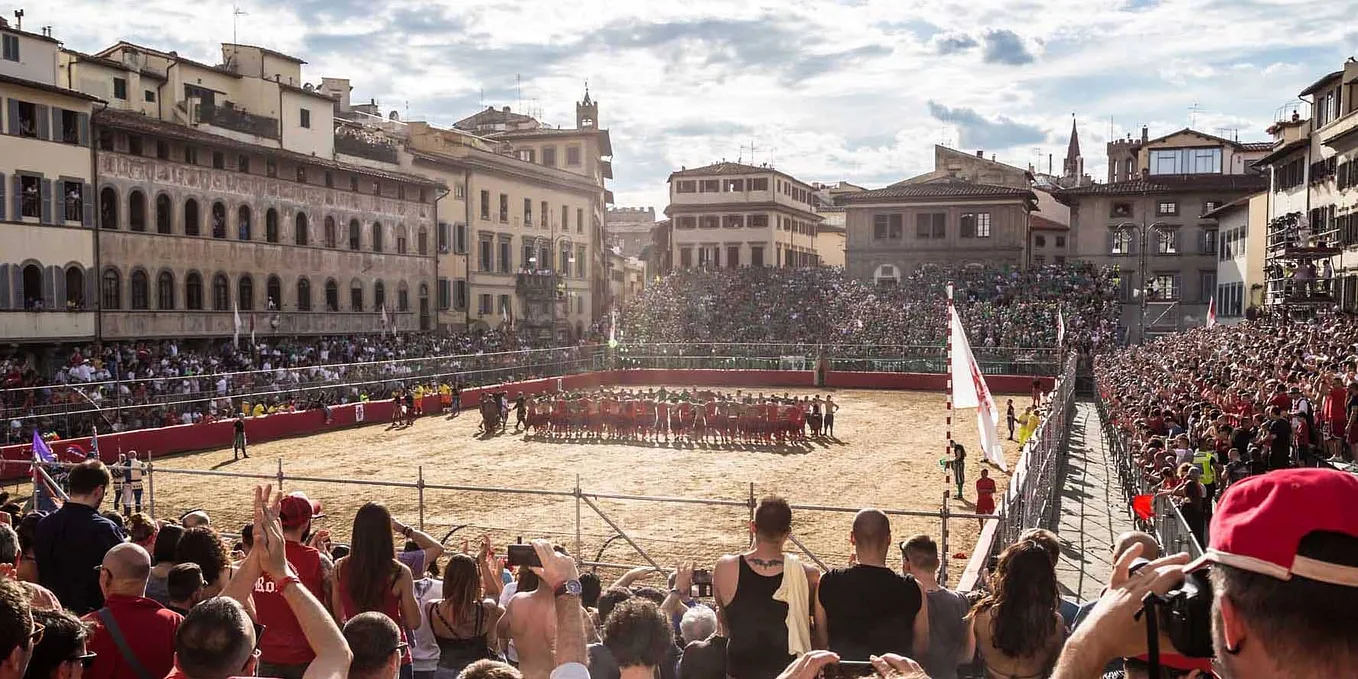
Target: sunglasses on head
[[35, 636], [85, 660]]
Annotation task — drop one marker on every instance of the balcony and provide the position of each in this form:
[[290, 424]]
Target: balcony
[[363, 145], [231, 118], [1339, 134], [535, 284]]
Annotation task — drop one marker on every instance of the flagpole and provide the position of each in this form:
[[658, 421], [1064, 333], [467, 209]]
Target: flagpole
[[948, 409]]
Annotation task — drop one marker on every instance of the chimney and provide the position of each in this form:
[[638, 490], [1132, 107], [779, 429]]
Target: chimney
[[980, 154], [505, 109], [1145, 136], [1049, 163]]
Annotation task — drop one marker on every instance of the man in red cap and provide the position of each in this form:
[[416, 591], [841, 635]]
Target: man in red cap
[[284, 652], [1284, 560]]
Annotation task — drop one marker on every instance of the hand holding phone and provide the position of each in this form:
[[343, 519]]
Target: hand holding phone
[[522, 555]]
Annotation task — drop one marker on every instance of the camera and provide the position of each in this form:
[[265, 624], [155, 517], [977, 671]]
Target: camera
[[522, 555], [702, 584], [1183, 614]]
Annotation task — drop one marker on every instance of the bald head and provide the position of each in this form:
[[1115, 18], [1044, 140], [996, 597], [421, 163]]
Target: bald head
[[194, 519], [871, 530], [128, 565], [1150, 549]]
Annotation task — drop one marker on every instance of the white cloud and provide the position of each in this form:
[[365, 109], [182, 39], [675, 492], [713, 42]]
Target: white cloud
[[827, 90]]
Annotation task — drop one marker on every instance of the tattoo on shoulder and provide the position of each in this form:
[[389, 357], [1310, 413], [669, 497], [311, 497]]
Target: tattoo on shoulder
[[764, 563]]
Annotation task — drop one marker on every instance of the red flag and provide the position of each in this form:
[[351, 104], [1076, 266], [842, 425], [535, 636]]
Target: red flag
[[1141, 504]]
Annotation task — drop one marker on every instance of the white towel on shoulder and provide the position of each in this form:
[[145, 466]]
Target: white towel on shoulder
[[795, 591]]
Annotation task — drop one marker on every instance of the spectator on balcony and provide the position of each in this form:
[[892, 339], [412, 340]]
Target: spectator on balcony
[[868, 609]]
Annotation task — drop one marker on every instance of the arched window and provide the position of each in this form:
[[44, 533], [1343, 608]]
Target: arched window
[[165, 291], [136, 211], [243, 222], [108, 208], [356, 295], [422, 241], [221, 293], [191, 223], [401, 240], [355, 235], [163, 216], [377, 236], [402, 297], [271, 225], [330, 232], [303, 294], [300, 235], [32, 281], [273, 291], [218, 220], [379, 295], [193, 292], [75, 288], [245, 293], [331, 295], [111, 290], [140, 291]]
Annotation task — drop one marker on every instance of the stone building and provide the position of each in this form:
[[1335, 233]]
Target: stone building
[[940, 220], [225, 190], [47, 255], [629, 228], [732, 215]]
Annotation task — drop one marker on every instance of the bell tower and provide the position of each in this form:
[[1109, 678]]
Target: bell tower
[[587, 112]]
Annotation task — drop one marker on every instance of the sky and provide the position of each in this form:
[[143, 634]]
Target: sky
[[852, 90]]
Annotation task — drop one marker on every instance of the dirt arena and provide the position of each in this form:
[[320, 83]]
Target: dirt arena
[[887, 456]]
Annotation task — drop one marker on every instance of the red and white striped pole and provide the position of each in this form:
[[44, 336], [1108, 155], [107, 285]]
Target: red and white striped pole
[[948, 454]]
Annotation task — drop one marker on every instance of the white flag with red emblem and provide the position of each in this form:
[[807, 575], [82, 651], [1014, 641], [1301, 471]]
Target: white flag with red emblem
[[1212, 311], [970, 391]]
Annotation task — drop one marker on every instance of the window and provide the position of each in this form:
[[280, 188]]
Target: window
[[355, 296], [685, 186], [931, 225], [686, 258], [134, 145], [1039, 240], [759, 185], [1166, 209], [1186, 161], [1207, 245], [243, 226], [245, 293], [70, 127], [221, 293], [329, 179], [685, 222], [149, 96], [162, 149], [543, 214], [1120, 210], [28, 118], [301, 174], [888, 226], [165, 291], [243, 164], [1210, 205], [191, 221], [306, 118], [1207, 285], [218, 220], [975, 225], [355, 234], [120, 88], [502, 307], [485, 204], [460, 239], [422, 241], [303, 294], [565, 263], [572, 156], [460, 295], [486, 255], [528, 155], [505, 265], [1167, 242], [504, 208], [709, 186], [442, 236], [579, 220], [444, 294], [110, 290], [733, 256], [328, 233], [193, 292], [734, 186], [565, 218], [163, 217], [733, 221], [483, 302], [140, 298], [108, 208], [218, 160], [1163, 288], [300, 226], [758, 221], [136, 211], [709, 222], [73, 195], [191, 155], [11, 48], [402, 297], [1120, 243], [378, 233], [331, 296], [1060, 241], [527, 211], [580, 261], [379, 295], [549, 156]]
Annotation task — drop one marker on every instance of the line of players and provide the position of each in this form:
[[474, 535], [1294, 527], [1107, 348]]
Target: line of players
[[695, 416]]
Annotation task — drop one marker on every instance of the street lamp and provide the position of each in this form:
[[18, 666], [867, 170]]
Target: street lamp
[[1143, 231]]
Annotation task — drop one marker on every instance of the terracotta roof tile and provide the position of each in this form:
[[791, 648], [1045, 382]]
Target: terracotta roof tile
[[948, 187], [1169, 183]]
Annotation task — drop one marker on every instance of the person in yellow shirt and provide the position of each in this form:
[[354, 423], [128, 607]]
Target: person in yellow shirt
[[1028, 421], [259, 410]]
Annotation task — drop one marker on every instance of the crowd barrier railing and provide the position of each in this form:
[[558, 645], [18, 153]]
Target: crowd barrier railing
[[1030, 499]]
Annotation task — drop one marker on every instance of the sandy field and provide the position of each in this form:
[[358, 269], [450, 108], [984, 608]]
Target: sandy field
[[886, 456]]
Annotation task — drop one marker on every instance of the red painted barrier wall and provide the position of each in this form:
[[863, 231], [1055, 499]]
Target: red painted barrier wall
[[190, 437]]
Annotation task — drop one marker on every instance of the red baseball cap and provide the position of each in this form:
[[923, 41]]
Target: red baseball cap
[[1260, 522], [297, 509]]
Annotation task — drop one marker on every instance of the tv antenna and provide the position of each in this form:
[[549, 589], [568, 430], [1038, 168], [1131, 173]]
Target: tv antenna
[[236, 14], [1193, 114]]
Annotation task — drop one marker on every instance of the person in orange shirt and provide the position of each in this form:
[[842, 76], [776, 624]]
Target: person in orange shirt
[[985, 495]]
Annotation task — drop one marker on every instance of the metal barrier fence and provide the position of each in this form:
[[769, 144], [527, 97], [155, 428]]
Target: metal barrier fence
[[589, 521], [1168, 523], [841, 357], [1030, 501]]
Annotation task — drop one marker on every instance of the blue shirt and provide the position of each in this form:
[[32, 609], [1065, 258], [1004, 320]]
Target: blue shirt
[[69, 545]]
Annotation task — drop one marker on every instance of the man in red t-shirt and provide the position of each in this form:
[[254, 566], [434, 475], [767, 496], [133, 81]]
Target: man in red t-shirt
[[147, 629], [283, 652]]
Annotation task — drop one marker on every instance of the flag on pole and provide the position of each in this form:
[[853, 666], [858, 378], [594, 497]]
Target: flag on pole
[[1212, 311], [970, 391], [94, 444], [386, 323], [235, 333], [1060, 329], [252, 330], [613, 330], [41, 451]]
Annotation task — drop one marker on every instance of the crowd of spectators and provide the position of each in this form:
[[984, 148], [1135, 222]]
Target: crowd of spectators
[[1001, 307], [80, 597], [149, 384]]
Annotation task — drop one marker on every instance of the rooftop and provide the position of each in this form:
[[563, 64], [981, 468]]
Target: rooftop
[[1229, 207], [1172, 183], [1244, 146], [1311, 89], [9, 28], [265, 50], [1283, 150], [943, 187], [52, 89]]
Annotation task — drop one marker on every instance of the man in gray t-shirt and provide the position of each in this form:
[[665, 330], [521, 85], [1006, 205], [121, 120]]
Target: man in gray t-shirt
[[950, 640]]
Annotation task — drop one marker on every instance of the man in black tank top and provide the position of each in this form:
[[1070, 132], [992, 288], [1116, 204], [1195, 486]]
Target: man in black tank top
[[744, 584], [868, 609]]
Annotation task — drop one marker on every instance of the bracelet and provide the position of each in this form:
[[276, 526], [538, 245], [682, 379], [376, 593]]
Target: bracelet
[[407, 531], [284, 582]]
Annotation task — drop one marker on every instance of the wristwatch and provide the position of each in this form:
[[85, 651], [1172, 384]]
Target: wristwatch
[[568, 588]]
